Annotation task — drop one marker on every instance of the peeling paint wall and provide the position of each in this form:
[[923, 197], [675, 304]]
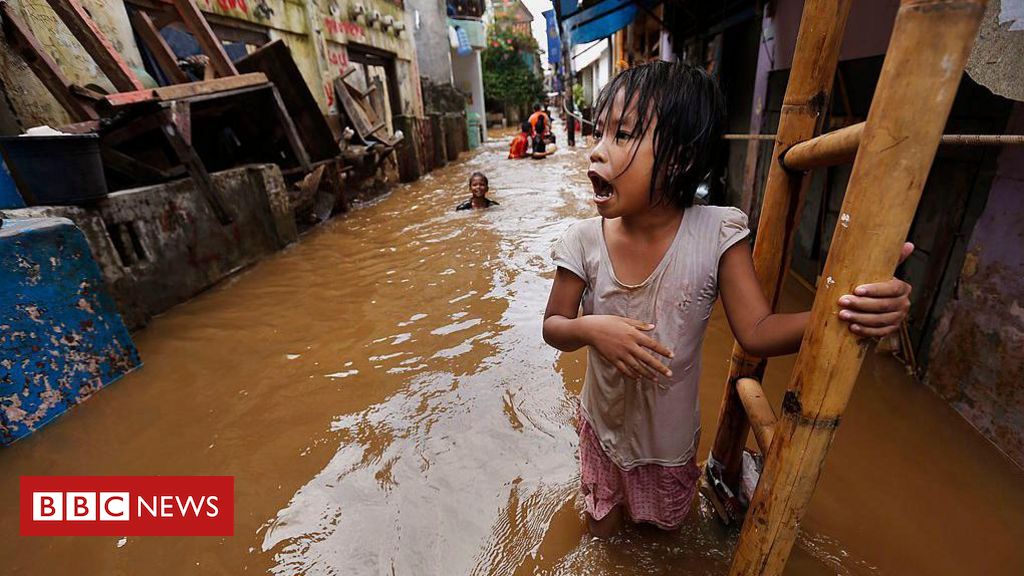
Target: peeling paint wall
[[978, 351], [61, 338]]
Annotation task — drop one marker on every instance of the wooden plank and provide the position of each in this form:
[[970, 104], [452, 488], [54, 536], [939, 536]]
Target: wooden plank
[[275, 60], [194, 165], [181, 115], [208, 41], [930, 43], [158, 47], [96, 44], [355, 113], [84, 127], [179, 91], [289, 131], [43, 66], [138, 171], [86, 93]]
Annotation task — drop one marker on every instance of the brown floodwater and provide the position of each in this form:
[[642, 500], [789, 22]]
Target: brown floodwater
[[381, 393]]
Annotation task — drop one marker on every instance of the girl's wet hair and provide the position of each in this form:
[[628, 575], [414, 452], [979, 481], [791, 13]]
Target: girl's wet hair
[[479, 175], [690, 113]]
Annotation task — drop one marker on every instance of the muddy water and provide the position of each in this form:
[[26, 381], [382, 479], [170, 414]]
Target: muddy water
[[381, 394]]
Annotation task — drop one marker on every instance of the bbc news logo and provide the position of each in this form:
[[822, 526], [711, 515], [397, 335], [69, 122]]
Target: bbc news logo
[[127, 505]]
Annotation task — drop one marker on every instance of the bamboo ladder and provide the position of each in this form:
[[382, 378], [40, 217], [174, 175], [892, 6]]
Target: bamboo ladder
[[892, 153]]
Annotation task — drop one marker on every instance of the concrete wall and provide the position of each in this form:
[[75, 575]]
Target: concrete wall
[[978, 350], [61, 338], [160, 245], [469, 80], [433, 51]]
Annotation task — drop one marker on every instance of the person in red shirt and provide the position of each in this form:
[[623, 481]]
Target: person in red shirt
[[521, 143], [541, 118]]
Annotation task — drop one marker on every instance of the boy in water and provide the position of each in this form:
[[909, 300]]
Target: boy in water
[[478, 186]]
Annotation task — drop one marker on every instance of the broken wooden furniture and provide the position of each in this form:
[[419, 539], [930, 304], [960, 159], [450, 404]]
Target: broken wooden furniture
[[360, 112], [275, 60], [207, 126], [894, 151], [151, 135]]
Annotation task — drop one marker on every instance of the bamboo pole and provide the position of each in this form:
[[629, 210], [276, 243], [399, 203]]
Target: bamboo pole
[[759, 412], [831, 149], [803, 112], [840, 146], [930, 44], [947, 139]]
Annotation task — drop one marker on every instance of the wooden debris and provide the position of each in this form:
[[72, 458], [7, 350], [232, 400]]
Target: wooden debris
[[200, 177], [208, 41], [26, 44], [275, 60], [179, 91], [96, 44], [162, 53]]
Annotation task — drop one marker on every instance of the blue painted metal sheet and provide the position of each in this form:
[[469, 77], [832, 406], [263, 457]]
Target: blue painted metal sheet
[[599, 21], [9, 196], [61, 337]]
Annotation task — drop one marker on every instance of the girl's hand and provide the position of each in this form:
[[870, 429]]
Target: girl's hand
[[878, 309], [622, 342]]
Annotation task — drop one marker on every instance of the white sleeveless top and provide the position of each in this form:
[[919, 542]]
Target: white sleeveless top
[[640, 422]]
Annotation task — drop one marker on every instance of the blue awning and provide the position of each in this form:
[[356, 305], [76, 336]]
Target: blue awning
[[598, 21]]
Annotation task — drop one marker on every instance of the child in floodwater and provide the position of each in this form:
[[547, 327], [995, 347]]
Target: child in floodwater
[[647, 272], [478, 187], [520, 147]]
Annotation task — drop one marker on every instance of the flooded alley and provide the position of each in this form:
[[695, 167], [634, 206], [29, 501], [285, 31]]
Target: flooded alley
[[381, 393]]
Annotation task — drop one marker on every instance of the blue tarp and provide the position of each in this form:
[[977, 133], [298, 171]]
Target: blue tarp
[[598, 21], [554, 42]]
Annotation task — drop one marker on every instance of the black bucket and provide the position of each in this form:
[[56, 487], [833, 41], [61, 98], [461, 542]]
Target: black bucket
[[55, 170]]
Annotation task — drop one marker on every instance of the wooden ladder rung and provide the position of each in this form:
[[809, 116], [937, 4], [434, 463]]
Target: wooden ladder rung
[[831, 149], [759, 412]]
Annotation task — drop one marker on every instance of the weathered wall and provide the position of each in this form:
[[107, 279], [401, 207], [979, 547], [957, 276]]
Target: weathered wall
[[999, 50], [433, 51], [31, 102], [978, 351], [161, 245], [61, 338]]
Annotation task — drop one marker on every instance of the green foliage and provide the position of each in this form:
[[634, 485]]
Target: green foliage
[[508, 79], [577, 96]]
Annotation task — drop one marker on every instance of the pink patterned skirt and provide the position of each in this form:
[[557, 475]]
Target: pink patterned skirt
[[659, 495]]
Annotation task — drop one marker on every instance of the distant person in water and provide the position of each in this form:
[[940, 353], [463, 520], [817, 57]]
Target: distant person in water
[[520, 147], [478, 185]]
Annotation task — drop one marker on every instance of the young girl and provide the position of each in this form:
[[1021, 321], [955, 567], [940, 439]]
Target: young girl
[[648, 272], [478, 186]]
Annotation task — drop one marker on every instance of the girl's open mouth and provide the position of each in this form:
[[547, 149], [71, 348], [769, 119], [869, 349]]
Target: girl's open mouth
[[603, 189]]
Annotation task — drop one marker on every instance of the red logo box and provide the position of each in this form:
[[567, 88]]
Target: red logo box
[[127, 505]]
